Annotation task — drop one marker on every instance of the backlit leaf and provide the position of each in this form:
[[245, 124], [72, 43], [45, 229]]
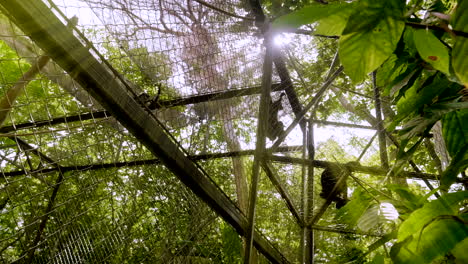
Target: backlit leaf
[[362, 52], [438, 237], [334, 24], [432, 50], [455, 130], [460, 48], [311, 14], [446, 205]]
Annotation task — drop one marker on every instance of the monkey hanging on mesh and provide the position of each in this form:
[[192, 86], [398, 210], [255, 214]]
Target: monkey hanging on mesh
[[275, 127], [331, 178]]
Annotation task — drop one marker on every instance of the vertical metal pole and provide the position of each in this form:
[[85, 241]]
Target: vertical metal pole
[[260, 145], [310, 193], [302, 247], [380, 127]]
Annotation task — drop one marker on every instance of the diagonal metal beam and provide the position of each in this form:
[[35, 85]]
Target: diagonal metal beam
[[300, 116], [28, 253], [273, 176]]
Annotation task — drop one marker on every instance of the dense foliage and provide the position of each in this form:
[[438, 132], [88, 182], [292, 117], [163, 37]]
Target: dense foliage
[[418, 51]]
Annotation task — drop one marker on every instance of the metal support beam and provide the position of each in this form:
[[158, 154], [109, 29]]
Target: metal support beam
[[380, 127], [280, 65], [28, 253], [302, 244], [105, 114], [112, 165], [273, 176], [310, 239], [286, 81], [260, 145], [36, 20], [300, 116], [352, 167]]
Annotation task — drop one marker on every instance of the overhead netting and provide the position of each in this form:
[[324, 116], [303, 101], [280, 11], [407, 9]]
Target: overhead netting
[[77, 186]]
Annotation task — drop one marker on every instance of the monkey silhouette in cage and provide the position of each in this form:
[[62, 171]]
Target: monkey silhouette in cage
[[151, 102], [275, 127], [329, 178]]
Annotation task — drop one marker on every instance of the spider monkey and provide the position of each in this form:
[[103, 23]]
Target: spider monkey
[[329, 179], [151, 103], [275, 127]]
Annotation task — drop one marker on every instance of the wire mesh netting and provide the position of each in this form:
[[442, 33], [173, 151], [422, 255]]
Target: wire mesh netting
[[76, 186]]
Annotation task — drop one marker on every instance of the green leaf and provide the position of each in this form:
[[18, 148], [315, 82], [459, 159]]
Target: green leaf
[[368, 13], [408, 39], [404, 74], [415, 98], [378, 259], [354, 209], [421, 124], [457, 164], [432, 50], [445, 205], [364, 51], [460, 48], [455, 130], [335, 23], [410, 200], [389, 71], [417, 126], [438, 237], [403, 156], [413, 80], [311, 14], [460, 252], [377, 214]]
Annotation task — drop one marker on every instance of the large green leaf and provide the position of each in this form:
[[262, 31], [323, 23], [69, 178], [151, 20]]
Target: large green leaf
[[457, 164], [368, 13], [432, 50], [409, 199], [354, 209], [378, 259], [460, 252], [370, 37], [376, 215], [335, 23], [389, 70], [445, 205], [403, 155], [311, 14], [460, 48], [431, 231], [435, 239], [455, 130], [405, 78], [431, 115]]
